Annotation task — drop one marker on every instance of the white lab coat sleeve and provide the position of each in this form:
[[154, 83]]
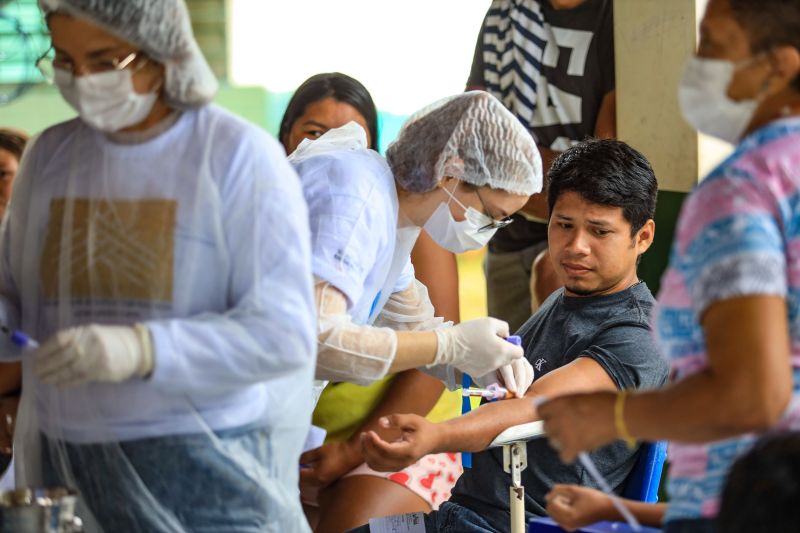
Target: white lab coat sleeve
[[347, 217], [269, 329]]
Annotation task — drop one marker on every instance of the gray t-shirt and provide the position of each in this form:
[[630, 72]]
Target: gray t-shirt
[[612, 330]]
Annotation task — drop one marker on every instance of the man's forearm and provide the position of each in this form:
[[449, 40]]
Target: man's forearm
[[697, 409], [475, 431]]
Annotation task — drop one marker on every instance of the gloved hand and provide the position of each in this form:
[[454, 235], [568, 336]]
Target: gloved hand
[[516, 377], [94, 353], [476, 347]]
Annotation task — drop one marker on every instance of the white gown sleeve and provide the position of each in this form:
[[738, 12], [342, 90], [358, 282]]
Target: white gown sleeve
[[359, 354], [268, 331], [363, 354]]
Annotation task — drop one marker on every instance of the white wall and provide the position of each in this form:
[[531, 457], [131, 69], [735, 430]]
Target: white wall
[[408, 53]]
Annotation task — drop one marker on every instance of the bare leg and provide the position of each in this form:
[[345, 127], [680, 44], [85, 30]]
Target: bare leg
[[352, 501]]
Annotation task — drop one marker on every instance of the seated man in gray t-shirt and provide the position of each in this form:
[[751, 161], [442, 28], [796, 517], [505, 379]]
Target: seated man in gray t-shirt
[[593, 334]]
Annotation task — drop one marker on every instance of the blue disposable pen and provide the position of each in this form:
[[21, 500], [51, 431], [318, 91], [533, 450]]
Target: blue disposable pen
[[23, 341]]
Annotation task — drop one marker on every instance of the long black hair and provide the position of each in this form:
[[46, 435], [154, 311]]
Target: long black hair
[[338, 86]]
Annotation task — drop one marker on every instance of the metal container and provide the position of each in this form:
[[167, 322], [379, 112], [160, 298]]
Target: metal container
[[39, 511]]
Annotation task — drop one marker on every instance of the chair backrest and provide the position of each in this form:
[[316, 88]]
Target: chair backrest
[[643, 481], [642, 484]]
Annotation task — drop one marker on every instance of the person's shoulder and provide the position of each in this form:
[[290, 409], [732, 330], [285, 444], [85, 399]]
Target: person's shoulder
[[630, 307], [60, 133], [642, 299], [360, 173], [231, 131], [545, 310], [49, 146], [757, 158], [552, 300], [752, 183], [234, 142]]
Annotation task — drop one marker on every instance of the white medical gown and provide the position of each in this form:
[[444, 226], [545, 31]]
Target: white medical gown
[[353, 211], [201, 234]]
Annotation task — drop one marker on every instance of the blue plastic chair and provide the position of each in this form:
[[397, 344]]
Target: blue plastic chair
[[642, 485], [645, 478]]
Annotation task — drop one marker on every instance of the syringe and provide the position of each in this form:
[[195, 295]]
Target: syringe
[[492, 393]]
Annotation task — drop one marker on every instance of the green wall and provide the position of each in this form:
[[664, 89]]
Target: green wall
[[655, 260]]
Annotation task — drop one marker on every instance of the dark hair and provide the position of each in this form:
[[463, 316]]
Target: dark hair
[[762, 491], [338, 86], [13, 141], [770, 23], [607, 172]]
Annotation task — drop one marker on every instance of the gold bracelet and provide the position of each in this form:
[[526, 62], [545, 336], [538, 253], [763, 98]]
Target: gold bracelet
[[619, 420]]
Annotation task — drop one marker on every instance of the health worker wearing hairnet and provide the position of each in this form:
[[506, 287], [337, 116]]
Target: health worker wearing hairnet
[[459, 168], [158, 249]]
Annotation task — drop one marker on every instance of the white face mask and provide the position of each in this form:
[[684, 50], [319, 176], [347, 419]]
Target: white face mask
[[703, 96], [106, 101], [455, 236]]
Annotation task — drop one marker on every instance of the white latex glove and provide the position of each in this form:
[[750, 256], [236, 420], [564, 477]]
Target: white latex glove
[[476, 347], [94, 353], [516, 377]]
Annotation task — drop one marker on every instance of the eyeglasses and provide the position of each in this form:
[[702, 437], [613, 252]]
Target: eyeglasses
[[494, 224], [47, 65]]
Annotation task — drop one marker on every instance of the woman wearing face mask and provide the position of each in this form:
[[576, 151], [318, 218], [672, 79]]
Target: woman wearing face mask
[[157, 248], [730, 300], [352, 492], [458, 169]]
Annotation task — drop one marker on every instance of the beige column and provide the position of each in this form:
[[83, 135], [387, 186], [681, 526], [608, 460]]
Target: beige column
[[653, 39]]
